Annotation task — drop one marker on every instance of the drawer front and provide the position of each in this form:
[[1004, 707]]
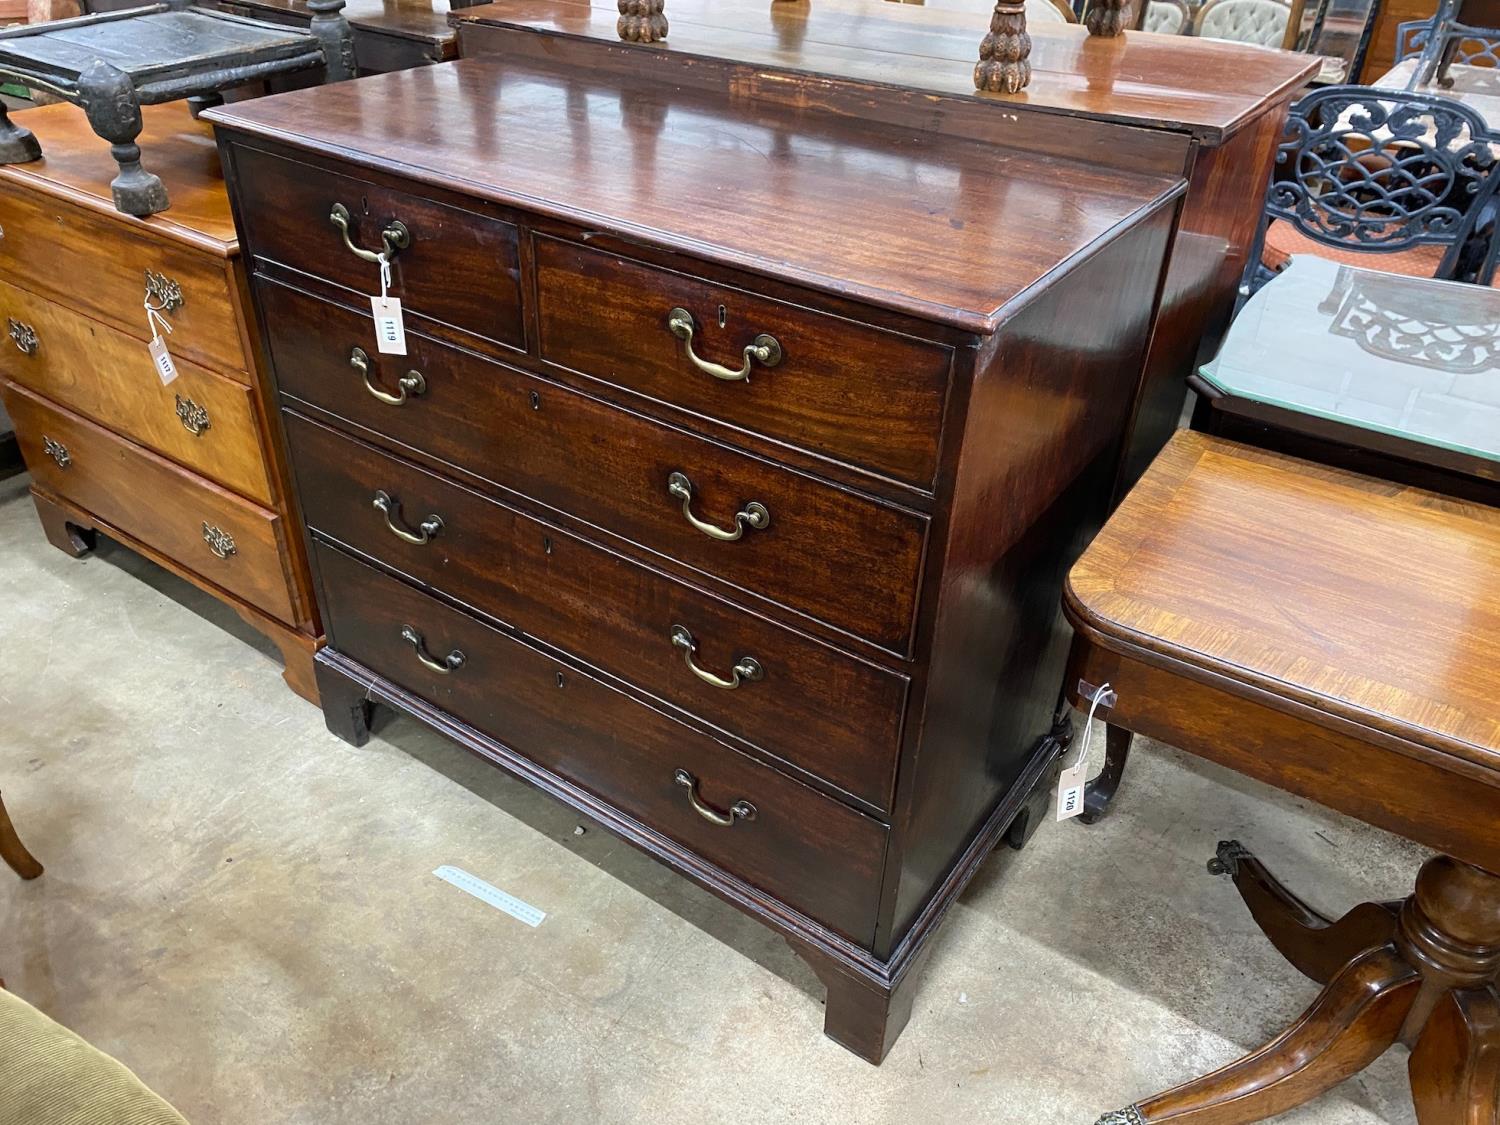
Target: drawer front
[[834, 715], [809, 851], [833, 554], [846, 390], [457, 268], [203, 421], [154, 501], [100, 267]]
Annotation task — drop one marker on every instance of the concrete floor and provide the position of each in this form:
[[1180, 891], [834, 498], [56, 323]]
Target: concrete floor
[[242, 908]]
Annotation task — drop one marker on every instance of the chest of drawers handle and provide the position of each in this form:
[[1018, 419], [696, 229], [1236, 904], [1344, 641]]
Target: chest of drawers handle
[[412, 383], [763, 349], [746, 668], [193, 417], [450, 663], [219, 541], [740, 810], [57, 451], [754, 514], [395, 236], [392, 511], [163, 293], [23, 336]]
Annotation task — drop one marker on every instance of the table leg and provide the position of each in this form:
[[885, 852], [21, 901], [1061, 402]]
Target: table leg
[[1319, 947], [114, 112], [16, 857], [17, 145], [1455, 1068], [1101, 790]]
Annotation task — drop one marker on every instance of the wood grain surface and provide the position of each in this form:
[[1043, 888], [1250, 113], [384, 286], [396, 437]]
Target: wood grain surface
[[938, 227]]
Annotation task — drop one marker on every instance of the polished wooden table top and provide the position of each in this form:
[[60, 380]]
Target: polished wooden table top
[[1206, 87], [76, 165], [1372, 603], [940, 227]]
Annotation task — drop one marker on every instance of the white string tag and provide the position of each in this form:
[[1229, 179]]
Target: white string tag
[[390, 331], [1074, 780], [161, 359]]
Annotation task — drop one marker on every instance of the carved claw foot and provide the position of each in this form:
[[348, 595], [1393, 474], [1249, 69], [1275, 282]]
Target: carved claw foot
[[1108, 18], [1127, 1116], [642, 21], [1004, 54]]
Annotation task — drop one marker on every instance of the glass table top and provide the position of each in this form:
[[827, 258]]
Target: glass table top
[[1411, 357]]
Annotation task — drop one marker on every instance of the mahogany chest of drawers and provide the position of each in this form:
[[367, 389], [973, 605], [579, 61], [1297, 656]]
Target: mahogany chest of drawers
[[184, 470], [726, 484]]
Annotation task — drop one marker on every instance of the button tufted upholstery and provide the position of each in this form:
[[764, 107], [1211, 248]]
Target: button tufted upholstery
[[1166, 17], [1043, 11], [1245, 21]]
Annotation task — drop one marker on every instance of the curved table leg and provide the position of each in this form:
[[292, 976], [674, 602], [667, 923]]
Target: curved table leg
[[1316, 945], [1356, 1017], [21, 861], [17, 145], [1101, 789], [1455, 1068]]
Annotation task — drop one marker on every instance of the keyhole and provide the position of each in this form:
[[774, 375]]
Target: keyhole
[[559, 679], [546, 544], [723, 316], [536, 401]]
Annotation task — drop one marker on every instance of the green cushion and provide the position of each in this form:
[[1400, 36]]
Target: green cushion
[[49, 1076]]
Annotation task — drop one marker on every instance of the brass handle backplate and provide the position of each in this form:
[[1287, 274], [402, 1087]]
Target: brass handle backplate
[[412, 383], [740, 810], [57, 451], [754, 514], [746, 668], [23, 335], [452, 662], [193, 417], [219, 541], [395, 236], [763, 350], [392, 511], [162, 293]]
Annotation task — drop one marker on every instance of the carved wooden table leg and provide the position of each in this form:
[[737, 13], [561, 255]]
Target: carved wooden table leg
[[1429, 983], [1004, 65], [114, 112], [1101, 790], [17, 145], [1108, 18], [21, 861]]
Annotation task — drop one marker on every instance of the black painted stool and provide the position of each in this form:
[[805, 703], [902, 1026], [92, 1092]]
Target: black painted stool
[[113, 63]]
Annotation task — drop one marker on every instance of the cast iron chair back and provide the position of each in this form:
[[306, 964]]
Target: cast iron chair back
[[1412, 36], [1376, 170]]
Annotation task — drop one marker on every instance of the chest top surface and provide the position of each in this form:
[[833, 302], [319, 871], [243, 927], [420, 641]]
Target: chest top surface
[[934, 226], [426, 20], [1201, 86], [1371, 600], [76, 165]]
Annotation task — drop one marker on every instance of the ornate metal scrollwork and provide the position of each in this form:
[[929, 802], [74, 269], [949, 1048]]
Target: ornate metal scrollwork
[[57, 451], [164, 294], [23, 336], [1127, 1116], [193, 417], [219, 541], [1226, 860]]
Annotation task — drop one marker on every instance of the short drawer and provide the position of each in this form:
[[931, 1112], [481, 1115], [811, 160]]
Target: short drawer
[[231, 542], [457, 268], [201, 420], [836, 555], [809, 851], [101, 267], [830, 713], [850, 391]]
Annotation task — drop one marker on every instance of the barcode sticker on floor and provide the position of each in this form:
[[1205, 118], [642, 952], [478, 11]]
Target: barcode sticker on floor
[[497, 898]]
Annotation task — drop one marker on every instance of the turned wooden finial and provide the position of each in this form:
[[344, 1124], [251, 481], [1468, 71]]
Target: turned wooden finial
[[1003, 67], [642, 21], [1108, 17]]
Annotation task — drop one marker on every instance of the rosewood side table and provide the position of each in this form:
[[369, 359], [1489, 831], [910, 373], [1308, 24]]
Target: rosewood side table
[[1336, 636], [113, 63]]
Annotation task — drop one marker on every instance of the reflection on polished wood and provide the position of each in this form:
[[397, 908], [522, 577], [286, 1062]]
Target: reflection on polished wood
[[1338, 637]]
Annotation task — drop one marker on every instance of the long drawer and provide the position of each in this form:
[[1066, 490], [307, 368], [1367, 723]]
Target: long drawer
[[202, 420], [833, 554], [856, 393], [455, 267], [231, 542], [101, 267], [811, 852], [830, 713]]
